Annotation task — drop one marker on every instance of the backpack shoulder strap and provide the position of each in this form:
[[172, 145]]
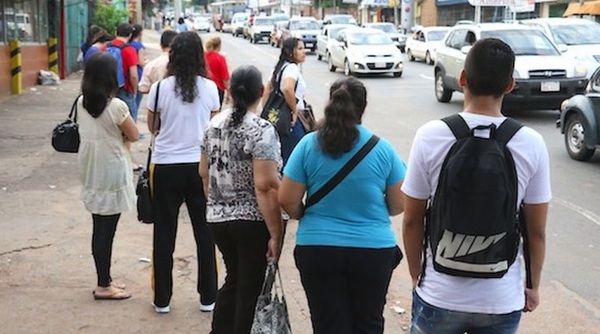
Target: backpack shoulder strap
[[457, 125], [507, 130]]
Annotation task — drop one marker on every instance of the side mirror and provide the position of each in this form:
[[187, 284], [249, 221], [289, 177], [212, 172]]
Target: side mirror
[[466, 49], [562, 48]]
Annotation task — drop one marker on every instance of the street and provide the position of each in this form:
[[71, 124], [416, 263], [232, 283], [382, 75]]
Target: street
[[47, 272]]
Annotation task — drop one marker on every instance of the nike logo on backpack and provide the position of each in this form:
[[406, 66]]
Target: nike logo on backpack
[[455, 244]]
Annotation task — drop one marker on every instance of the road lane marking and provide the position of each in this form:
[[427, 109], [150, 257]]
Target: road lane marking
[[426, 77], [594, 218], [584, 303]]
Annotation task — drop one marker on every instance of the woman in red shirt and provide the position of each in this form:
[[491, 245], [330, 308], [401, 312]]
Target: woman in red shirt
[[217, 65]]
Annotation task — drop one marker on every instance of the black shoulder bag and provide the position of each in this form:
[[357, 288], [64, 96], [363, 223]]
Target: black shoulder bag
[[342, 173], [144, 195], [276, 110], [65, 136]]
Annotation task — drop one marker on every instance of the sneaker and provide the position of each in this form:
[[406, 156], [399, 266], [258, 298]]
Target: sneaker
[[207, 308], [161, 310]]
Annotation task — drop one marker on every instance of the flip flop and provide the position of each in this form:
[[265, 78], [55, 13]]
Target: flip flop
[[115, 294]]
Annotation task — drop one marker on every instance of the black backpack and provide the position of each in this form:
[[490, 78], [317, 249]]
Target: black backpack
[[472, 223]]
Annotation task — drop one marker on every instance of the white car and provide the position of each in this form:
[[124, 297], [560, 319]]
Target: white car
[[543, 77], [202, 23], [328, 36], [260, 29], [424, 43], [578, 38], [388, 28], [237, 23], [365, 51]]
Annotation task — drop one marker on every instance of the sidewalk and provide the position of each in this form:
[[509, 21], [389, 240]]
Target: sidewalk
[[46, 268]]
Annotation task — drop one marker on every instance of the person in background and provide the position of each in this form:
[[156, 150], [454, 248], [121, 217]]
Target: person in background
[[346, 249], [136, 42], [186, 100], [156, 69], [129, 57], [293, 88], [93, 34], [217, 66], [99, 45], [181, 25], [240, 172], [104, 164]]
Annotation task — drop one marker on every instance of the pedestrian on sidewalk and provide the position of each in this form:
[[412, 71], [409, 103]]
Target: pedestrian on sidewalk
[[136, 42], [346, 249], [104, 163], [129, 59], [156, 69], [186, 99], [240, 171], [218, 70], [453, 302]]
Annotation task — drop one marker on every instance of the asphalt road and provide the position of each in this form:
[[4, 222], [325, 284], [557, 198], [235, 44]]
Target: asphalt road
[[398, 106]]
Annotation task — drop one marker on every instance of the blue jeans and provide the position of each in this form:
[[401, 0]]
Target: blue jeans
[[289, 142], [428, 319], [129, 99]]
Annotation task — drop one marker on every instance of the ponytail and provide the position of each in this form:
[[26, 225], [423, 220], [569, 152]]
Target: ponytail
[[246, 87]]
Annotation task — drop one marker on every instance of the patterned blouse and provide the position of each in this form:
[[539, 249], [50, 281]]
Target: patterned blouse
[[230, 151]]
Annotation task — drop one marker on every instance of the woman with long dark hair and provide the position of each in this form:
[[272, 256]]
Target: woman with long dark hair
[[240, 170], [186, 99], [293, 88], [345, 246], [104, 163]]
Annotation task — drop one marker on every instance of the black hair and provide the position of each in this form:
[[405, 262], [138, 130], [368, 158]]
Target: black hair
[[124, 30], [489, 67], [181, 20], [245, 86], [104, 38], [287, 55], [93, 34], [186, 63], [347, 102], [136, 31], [99, 82], [167, 38]]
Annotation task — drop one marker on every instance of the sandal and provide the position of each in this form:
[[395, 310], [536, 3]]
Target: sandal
[[112, 294]]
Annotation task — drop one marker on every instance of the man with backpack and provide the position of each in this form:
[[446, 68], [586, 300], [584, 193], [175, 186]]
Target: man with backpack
[[476, 199], [127, 74]]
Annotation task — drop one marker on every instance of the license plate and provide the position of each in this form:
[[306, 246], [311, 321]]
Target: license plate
[[550, 86], [380, 65]]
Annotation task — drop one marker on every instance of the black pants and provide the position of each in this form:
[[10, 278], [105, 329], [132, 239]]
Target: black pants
[[172, 184], [221, 96], [102, 241], [346, 287], [244, 248]]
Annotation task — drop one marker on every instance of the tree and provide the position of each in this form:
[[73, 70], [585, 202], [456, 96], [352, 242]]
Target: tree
[[108, 16]]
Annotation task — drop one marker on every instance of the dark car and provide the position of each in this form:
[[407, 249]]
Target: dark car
[[580, 121]]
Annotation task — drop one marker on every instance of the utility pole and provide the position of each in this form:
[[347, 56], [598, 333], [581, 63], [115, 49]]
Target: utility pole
[[177, 4]]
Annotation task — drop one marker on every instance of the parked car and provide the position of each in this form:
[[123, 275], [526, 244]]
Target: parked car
[[580, 37], [237, 23], [260, 29], [389, 28], [328, 36], [544, 77], [276, 33], [423, 44], [202, 23], [580, 121], [365, 51], [339, 19], [304, 28]]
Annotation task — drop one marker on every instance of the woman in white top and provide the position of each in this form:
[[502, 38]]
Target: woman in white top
[[293, 88], [104, 163], [186, 99]]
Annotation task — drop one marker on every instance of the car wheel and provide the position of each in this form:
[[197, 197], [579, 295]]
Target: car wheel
[[428, 58], [575, 139], [347, 70], [442, 93], [332, 67], [397, 74], [253, 39], [410, 55]]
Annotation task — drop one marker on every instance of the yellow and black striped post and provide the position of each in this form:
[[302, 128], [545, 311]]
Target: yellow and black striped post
[[16, 82], [52, 55]]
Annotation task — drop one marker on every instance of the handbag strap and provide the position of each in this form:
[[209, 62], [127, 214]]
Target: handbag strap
[[342, 173], [154, 116], [280, 75], [73, 113]]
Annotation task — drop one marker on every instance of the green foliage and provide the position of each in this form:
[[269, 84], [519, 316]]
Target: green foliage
[[108, 16]]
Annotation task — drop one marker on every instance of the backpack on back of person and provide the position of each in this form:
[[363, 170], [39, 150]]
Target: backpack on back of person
[[116, 51], [472, 224]]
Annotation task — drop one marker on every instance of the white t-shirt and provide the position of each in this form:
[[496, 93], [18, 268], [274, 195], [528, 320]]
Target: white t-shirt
[[293, 71], [430, 146], [182, 124]]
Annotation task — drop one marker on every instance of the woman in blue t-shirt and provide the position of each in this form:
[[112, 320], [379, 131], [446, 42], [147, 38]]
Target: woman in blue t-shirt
[[136, 42], [345, 247]]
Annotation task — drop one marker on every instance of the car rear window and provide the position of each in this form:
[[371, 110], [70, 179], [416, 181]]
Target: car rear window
[[576, 34], [524, 42]]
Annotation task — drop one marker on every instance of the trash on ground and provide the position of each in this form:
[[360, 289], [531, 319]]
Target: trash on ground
[[144, 259], [48, 78]]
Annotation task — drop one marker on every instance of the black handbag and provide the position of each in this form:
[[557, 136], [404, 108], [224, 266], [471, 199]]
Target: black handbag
[[145, 213], [276, 110], [271, 313], [65, 136]]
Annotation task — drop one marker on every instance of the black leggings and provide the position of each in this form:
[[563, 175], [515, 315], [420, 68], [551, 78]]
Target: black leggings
[[102, 241]]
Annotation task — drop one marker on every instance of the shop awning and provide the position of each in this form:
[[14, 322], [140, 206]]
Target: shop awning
[[587, 8]]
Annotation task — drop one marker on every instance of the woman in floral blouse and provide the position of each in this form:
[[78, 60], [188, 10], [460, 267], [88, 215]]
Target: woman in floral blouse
[[239, 166]]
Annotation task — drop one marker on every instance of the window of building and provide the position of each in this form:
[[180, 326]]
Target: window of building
[[23, 20]]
